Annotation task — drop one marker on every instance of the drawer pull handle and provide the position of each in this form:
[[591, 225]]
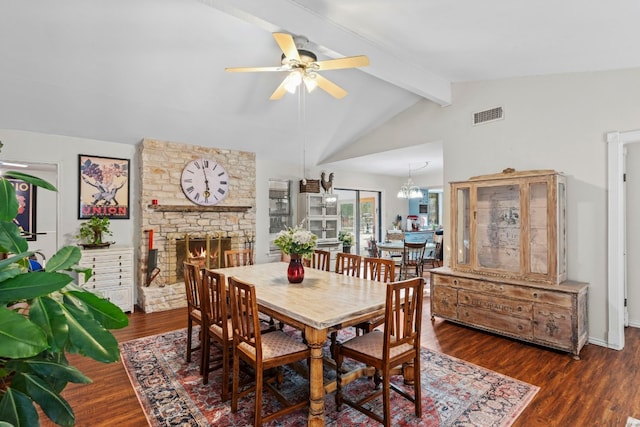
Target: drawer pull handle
[[535, 295]]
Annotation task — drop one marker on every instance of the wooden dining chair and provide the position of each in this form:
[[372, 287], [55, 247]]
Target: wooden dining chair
[[412, 259], [321, 260], [216, 321], [193, 283], [348, 264], [397, 344], [433, 260], [238, 257], [380, 270], [260, 351]]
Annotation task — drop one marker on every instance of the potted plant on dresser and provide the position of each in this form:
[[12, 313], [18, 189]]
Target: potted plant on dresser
[[44, 316], [93, 231]]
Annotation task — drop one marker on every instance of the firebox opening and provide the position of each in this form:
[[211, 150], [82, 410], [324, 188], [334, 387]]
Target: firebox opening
[[198, 254]]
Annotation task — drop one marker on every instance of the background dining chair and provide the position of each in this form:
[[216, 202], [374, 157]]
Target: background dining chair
[[260, 351], [433, 260], [192, 283], [238, 257], [348, 264], [412, 259], [321, 260], [216, 321], [397, 344]]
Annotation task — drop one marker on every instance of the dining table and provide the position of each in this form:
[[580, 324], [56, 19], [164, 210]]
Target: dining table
[[397, 246], [324, 302]]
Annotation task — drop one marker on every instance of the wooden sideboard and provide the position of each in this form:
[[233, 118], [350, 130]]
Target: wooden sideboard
[[112, 277], [549, 315]]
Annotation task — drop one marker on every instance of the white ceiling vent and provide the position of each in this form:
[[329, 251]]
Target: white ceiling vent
[[487, 116]]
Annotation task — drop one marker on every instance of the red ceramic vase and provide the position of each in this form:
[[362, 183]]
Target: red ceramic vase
[[295, 272]]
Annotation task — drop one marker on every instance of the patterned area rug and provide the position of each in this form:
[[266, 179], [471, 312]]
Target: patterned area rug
[[455, 393]]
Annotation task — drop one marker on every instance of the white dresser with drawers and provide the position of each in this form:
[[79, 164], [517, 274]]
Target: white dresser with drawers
[[113, 275]]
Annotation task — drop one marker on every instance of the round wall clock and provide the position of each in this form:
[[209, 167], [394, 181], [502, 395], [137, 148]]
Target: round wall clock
[[204, 182]]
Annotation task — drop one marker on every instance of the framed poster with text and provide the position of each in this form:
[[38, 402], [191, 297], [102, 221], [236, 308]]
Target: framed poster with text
[[103, 187], [26, 218]]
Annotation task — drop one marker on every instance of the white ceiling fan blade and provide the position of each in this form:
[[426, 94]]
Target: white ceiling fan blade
[[340, 63], [330, 87], [287, 45], [254, 69]]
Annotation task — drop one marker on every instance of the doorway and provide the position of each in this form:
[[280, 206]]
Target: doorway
[[617, 232], [44, 208], [360, 215]]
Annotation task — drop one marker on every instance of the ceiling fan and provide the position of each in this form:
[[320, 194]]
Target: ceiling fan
[[303, 66]]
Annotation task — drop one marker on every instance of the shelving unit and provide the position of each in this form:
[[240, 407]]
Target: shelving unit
[[508, 270], [319, 214]]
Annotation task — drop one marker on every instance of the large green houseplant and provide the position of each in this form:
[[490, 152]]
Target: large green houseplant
[[43, 317]]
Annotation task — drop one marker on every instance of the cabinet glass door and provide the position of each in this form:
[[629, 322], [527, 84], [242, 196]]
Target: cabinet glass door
[[315, 205], [463, 226], [498, 227], [331, 229], [316, 226], [538, 236], [330, 205]]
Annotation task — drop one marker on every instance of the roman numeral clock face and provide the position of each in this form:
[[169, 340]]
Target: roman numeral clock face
[[204, 182]]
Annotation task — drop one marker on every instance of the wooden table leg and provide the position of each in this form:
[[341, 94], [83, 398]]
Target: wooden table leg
[[315, 340]]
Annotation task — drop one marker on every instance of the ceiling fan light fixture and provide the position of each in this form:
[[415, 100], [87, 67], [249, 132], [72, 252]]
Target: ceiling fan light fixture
[[293, 80], [310, 82]]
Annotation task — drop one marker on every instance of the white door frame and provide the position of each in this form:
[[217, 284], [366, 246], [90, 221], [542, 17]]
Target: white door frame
[[617, 229]]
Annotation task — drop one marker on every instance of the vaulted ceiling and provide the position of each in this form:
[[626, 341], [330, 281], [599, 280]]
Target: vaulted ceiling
[[122, 70]]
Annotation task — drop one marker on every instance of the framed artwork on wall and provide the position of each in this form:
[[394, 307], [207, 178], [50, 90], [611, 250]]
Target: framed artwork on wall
[[26, 218], [103, 187]]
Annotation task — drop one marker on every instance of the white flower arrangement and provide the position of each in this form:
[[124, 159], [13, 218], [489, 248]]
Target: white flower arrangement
[[296, 240], [346, 238]]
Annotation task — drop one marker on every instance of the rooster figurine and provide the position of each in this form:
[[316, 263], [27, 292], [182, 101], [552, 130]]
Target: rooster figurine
[[326, 185]]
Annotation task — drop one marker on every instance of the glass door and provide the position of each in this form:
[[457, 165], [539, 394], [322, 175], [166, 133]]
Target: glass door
[[360, 214]]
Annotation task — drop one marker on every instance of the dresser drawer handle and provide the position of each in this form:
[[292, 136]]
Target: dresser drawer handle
[[535, 295]]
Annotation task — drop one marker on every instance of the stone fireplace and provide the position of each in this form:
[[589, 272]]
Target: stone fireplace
[[230, 224]]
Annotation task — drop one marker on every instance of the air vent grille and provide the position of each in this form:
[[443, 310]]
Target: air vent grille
[[487, 116]]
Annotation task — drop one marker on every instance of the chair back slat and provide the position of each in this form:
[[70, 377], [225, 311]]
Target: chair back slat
[[214, 299], [192, 282], [238, 257], [244, 315], [403, 314], [320, 260], [379, 269], [348, 264]]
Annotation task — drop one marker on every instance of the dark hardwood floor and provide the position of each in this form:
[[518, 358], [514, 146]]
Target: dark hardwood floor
[[597, 390]]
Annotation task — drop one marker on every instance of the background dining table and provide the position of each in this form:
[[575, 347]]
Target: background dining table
[[323, 302]]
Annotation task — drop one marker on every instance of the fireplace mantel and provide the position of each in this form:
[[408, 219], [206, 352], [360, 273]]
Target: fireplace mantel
[[194, 208]]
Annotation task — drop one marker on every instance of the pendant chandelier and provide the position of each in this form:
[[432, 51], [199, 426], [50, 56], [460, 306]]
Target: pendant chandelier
[[409, 190]]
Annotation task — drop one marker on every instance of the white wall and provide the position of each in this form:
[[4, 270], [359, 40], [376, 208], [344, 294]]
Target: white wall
[[551, 122], [63, 151]]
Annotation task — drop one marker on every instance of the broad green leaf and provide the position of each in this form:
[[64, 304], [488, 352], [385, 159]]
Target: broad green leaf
[[65, 258], [49, 370], [10, 271], [32, 285], [109, 315], [10, 239], [39, 182], [8, 201], [17, 409], [14, 259], [88, 337], [47, 314], [52, 404], [19, 337]]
